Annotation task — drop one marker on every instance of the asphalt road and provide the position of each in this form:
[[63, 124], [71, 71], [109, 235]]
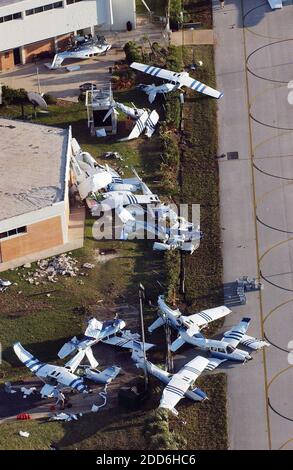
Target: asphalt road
[[254, 64]]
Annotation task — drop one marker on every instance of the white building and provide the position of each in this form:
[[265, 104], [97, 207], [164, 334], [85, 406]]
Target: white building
[[37, 219], [29, 28]]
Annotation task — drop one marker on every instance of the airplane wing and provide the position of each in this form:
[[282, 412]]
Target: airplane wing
[[155, 71], [156, 324], [253, 343], [235, 335], [73, 363], [180, 382], [200, 87], [26, 358], [214, 362], [124, 342], [138, 128], [274, 4], [204, 317]]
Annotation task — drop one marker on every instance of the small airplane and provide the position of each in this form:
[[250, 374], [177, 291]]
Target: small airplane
[[58, 378], [107, 332], [96, 331], [146, 120], [54, 377], [275, 4], [176, 80], [192, 324], [226, 349], [85, 48], [177, 385]]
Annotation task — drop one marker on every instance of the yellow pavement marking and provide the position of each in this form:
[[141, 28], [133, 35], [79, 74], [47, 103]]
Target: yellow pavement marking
[[276, 308], [256, 235]]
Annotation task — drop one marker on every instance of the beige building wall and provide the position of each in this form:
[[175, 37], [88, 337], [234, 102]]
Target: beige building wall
[[39, 237], [6, 60], [32, 50]]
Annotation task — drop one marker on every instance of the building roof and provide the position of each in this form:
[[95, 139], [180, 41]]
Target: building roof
[[5, 3], [33, 162]]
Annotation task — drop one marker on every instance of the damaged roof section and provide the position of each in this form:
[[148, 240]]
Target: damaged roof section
[[32, 167]]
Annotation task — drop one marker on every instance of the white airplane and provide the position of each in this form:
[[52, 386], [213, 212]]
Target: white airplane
[[58, 378], [191, 323], [177, 385], [81, 50], [226, 349], [54, 377], [96, 331], [275, 4], [172, 231], [176, 80], [90, 177], [146, 120], [122, 199]]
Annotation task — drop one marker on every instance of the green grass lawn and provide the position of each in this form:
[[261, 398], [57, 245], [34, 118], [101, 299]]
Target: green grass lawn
[[199, 170], [156, 6]]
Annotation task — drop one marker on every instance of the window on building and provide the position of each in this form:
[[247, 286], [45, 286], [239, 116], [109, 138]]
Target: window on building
[[13, 232], [70, 2], [41, 9], [17, 16], [7, 18]]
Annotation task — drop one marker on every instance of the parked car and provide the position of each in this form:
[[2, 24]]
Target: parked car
[[87, 86]]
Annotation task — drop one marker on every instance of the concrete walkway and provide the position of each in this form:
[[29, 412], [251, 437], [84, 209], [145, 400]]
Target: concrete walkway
[[190, 37], [65, 85], [254, 66]]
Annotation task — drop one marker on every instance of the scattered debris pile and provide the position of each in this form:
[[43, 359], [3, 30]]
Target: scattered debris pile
[[49, 269]]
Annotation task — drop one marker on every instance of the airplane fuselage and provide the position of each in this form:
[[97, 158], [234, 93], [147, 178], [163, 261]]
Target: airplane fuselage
[[218, 349], [195, 395]]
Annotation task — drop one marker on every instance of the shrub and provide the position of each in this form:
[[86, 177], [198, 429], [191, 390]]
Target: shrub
[[13, 96], [50, 99], [133, 52]]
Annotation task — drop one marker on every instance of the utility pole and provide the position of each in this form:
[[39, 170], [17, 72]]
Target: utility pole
[[141, 292]]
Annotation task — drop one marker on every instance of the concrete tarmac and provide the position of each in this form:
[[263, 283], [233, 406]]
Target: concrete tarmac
[[254, 65]]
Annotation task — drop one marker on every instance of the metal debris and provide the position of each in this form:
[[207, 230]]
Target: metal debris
[[27, 391], [8, 388]]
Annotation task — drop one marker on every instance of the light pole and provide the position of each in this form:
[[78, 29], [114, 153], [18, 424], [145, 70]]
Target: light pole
[[141, 292]]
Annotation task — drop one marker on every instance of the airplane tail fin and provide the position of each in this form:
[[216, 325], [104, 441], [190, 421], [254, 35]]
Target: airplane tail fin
[[57, 61], [177, 344], [151, 95], [108, 375], [200, 395]]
